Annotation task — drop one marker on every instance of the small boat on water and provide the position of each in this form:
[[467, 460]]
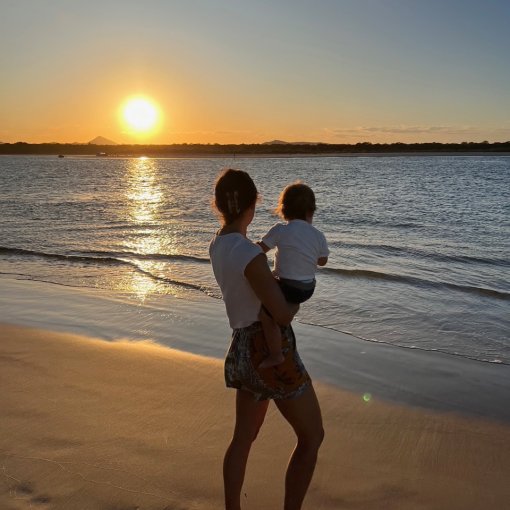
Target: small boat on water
[[101, 154], [60, 155]]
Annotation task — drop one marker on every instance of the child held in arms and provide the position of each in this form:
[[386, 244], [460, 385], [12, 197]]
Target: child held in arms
[[300, 248]]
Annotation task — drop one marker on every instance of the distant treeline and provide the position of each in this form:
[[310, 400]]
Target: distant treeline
[[191, 149]]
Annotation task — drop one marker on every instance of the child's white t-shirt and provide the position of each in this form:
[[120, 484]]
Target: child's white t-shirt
[[299, 246]]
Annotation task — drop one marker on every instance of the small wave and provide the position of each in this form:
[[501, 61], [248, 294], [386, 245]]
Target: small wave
[[102, 256], [110, 259], [151, 256], [386, 224], [440, 257], [58, 256], [171, 281], [209, 292], [420, 282]]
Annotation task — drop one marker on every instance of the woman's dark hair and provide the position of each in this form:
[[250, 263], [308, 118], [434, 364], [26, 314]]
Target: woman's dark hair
[[234, 192], [296, 202]]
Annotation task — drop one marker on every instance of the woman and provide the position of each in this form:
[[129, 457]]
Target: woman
[[246, 283]]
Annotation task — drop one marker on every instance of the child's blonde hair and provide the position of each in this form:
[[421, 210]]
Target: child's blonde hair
[[296, 202]]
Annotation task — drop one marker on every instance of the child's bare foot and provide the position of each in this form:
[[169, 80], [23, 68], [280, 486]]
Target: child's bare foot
[[272, 360]]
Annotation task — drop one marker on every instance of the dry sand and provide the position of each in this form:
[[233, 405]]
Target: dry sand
[[90, 424]]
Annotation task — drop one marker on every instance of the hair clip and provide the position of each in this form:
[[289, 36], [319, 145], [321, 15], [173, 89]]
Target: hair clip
[[236, 202], [233, 202]]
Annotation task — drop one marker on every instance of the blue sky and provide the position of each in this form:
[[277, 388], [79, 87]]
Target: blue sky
[[233, 71]]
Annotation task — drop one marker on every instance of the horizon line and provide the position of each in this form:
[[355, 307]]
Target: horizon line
[[266, 144]]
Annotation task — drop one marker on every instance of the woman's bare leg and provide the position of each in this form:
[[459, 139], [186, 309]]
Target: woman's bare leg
[[250, 415], [304, 415]]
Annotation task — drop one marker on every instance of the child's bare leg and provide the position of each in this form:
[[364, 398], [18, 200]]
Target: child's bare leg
[[273, 337]]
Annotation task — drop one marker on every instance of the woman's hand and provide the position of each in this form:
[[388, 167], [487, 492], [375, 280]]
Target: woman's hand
[[267, 290]]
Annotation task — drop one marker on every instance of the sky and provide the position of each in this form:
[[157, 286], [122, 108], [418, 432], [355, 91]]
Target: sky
[[251, 71]]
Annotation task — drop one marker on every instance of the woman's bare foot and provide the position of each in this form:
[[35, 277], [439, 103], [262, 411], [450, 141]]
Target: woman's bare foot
[[272, 360]]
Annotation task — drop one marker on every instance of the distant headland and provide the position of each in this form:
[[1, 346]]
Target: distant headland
[[103, 147]]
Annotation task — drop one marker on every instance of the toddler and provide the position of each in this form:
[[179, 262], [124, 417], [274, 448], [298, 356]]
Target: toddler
[[300, 248]]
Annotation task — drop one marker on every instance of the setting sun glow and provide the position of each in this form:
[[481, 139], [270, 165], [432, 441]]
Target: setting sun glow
[[140, 115]]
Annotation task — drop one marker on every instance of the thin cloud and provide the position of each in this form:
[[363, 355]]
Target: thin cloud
[[208, 133], [403, 129]]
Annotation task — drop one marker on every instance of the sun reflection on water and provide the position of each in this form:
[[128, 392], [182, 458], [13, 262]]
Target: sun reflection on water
[[144, 194], [145, 198]]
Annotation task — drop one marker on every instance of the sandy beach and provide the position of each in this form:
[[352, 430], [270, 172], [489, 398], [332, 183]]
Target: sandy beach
[[91, 424]]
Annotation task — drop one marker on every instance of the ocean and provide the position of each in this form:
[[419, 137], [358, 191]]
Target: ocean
[[419, 245]]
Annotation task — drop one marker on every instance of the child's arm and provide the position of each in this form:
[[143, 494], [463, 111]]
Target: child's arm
[[264, 246], [270, 240], [322, 261]]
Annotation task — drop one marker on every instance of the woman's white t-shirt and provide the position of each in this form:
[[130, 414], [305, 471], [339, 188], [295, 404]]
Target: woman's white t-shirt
[[230, 254]]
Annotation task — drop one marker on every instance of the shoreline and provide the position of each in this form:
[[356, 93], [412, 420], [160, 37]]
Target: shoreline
[[195, 324], [290, 155], [128, 424]]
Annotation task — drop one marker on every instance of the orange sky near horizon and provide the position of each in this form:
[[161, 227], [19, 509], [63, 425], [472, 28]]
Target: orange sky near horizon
[[245, 72]]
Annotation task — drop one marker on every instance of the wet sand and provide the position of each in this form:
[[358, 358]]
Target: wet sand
[[91, 424]]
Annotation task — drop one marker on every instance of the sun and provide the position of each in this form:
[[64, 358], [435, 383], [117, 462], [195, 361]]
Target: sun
[[141, 115]]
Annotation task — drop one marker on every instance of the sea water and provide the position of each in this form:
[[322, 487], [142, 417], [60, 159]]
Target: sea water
[[419, 244]]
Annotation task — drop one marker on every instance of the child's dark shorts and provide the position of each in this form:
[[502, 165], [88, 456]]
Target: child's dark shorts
[[296, 291], [247, 350]]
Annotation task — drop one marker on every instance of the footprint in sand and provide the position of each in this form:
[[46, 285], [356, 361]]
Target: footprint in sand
[[25, 492], [40, 500]]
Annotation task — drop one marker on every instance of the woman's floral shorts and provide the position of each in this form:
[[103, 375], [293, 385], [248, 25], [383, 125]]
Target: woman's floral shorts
[[247, 350]]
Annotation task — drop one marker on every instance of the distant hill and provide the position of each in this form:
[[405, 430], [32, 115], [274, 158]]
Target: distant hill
[[101, 140], [281, 142]]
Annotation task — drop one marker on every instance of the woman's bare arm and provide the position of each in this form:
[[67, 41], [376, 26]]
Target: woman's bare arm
[[265, 287]]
